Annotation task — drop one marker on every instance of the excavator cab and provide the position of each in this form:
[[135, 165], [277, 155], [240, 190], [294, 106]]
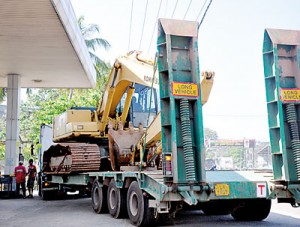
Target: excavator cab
[[144, 105]]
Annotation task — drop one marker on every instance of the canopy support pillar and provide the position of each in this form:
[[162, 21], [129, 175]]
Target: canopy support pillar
[[12, 122]]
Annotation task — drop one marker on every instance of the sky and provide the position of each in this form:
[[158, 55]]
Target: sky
[[230, 44]]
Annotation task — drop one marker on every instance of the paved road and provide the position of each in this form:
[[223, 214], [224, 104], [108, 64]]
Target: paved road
[[78, 212]]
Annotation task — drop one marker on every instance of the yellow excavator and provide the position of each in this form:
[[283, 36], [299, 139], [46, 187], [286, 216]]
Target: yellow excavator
[[123, 132]]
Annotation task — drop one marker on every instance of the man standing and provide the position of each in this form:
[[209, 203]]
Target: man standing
[[31, 178], [20, 174]]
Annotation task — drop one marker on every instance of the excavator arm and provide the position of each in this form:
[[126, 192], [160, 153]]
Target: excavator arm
[[127, 71]]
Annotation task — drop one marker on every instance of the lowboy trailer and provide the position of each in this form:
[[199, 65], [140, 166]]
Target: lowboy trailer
[[146, 193]]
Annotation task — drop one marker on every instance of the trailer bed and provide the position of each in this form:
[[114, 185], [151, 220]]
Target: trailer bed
[[222, 184]]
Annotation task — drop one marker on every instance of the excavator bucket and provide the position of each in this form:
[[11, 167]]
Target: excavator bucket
[[121, 144]]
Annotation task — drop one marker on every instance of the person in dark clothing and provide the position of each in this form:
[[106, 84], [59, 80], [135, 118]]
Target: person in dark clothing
[[31, 178], [20, 174]]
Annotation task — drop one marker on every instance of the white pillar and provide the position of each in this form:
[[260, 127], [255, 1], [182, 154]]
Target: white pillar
[[12, 123]]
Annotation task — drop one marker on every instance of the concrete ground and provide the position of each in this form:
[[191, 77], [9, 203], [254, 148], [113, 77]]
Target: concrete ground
[[78, 212]]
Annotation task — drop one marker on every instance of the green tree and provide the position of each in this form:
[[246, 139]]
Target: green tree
[[2, 94], [2, 137], [236, 154], [93, 41], [210, 134]]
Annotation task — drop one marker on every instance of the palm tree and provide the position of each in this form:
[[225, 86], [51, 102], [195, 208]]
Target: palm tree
[[90, 34]]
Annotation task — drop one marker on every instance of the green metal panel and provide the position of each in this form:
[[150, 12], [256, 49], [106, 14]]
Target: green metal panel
[[182, 125], [240, 190], [242, 184], [282, 72]]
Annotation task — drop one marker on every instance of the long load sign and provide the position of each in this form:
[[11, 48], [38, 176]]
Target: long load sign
[[290, 95]]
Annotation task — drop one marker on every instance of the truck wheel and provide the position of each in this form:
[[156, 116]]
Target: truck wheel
[[216, 211], [116, 201], [39, 184], [252, 210], [46, 195], [40, 190], [49, 195], [99, 195], [222, 207], [137, 206]]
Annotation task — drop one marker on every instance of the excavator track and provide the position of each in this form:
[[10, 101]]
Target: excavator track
[[65, 158]]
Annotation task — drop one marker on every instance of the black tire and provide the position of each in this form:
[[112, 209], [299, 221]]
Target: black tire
[[252, 210], [116, 200], [40, 184], [47, 195], [216, 211], [124, 213], [137, 206], [99, 195], [164, 219], [40, 190], [217, 208]]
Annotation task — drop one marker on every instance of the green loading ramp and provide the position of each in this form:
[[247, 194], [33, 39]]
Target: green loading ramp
[[181, 115], [281, 53]]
